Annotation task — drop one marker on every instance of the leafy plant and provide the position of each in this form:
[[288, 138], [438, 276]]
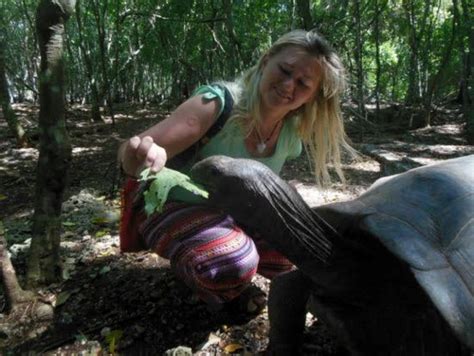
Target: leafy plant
[[112, 339], [162, 182]]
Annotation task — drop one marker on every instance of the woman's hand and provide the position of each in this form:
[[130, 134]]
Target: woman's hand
[[140, 153]]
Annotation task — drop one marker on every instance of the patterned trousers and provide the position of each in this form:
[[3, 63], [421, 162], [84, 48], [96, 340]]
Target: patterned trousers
[[206, 248]]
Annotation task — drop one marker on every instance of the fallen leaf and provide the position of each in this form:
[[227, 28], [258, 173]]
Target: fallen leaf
[[3, 197], [101, 233], [112, 338], [106, 253], [233, 348], [104, 270], [99, 220], [81, 338], [211, 340], [62, 297], [106, 217], [65, 274]]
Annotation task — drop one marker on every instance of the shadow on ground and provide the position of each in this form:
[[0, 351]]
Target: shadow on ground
[[135, 295]]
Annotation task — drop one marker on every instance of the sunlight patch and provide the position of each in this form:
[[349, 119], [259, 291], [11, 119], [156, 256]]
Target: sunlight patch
[[83, 150]]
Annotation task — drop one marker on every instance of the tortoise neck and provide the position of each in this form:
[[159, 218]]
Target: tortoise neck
[[284, 219]]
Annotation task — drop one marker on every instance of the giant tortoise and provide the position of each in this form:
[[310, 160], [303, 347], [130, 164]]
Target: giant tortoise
[[390, 273]]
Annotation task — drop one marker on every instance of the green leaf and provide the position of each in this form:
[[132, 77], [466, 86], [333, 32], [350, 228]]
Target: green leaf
[[102, 232], [112, 339], [104, 270], [62, 297], [80, 337], [98, 220], [163, 181]]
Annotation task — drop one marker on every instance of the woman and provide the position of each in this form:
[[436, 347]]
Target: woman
[[290, 96]]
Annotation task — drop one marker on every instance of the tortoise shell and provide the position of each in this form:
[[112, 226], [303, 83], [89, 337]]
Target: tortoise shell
[[425, 217]]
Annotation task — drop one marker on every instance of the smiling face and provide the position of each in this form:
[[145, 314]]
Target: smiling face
[[290, 78]]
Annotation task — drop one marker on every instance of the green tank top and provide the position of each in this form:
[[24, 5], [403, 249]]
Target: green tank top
[[229, 141]]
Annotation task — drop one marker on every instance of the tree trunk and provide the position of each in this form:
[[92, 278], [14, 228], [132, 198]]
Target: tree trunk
[[436, 79], [118, 93], [303, 10], [359, 58], [95, 105], [99, 10], [467, 85], [14, 294], [20, 303], [55, 149], [12, 121], [235, 53], [412, 94], [378, 66]]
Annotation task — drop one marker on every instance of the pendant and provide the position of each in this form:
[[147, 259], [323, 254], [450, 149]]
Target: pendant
[[261, 147]]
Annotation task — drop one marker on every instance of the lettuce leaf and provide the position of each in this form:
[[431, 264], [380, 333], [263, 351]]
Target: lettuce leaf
[[162, 182]]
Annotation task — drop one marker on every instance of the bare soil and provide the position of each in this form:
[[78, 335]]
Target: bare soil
[[113, 303]]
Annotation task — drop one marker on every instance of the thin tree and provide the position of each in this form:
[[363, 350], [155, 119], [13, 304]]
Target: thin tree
[[99, 10], [19, 302], [359, 44], [15, 295], [13, 124], [55, 148], [467, 85], [235, 53], [436, 79], [303, 10], [413, 91], [88, 68], [378, 65]]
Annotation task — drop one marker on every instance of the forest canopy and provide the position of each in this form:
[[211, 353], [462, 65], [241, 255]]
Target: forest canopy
[[406, 51]]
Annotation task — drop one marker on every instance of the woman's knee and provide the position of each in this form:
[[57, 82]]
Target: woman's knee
[[273, 263], [220, 269]]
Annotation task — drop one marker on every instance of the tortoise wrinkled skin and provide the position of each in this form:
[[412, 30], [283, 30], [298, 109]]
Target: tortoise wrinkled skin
[[390, 273]]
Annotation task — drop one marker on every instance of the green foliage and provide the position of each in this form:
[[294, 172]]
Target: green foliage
[[62, 297], [15, 230], [112, 339], [161, 183], [155, 51]]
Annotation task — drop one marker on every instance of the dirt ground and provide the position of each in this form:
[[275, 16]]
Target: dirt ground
[[113, 303]]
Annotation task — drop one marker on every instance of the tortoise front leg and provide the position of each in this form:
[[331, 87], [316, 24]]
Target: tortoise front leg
[[289, 294]]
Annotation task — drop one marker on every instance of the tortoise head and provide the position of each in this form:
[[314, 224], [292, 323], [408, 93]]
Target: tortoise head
[[238, 186]]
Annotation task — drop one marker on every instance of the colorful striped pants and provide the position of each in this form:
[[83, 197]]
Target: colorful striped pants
[[206, 249]]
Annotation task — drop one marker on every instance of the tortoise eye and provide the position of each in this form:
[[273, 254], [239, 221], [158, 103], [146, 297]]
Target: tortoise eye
[[214, 171]]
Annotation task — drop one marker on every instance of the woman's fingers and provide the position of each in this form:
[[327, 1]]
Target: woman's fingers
[[155, 158], [159, 161], [142, 150], [148, 153], [134, 142]]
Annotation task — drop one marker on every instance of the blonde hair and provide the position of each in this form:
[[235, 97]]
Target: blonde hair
[[320, 123]]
